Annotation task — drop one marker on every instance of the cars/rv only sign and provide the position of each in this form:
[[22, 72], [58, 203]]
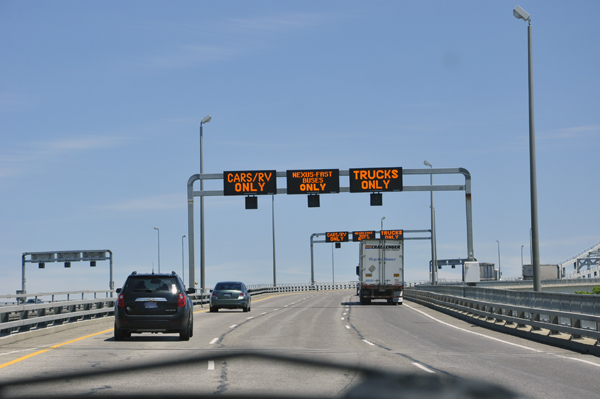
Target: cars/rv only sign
[[254, 182]]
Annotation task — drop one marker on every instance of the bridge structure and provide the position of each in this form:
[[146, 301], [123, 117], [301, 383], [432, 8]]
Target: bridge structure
[[585, 264]]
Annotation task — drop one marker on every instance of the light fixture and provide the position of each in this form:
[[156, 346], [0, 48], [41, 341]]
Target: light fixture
[[519, 13]]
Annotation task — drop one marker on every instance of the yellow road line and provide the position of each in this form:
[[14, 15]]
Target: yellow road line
[[52, 347], [87, 336]]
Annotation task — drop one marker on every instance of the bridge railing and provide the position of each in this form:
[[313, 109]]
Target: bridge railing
[[574, 314], [52, 309], [58, 308]]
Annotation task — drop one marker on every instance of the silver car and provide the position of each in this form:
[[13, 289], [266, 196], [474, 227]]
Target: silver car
[[230, 295]]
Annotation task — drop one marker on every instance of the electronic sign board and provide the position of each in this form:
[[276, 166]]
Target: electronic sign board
[[363, 235], [253, 182], [318, 181], [391, 234], [375, 180], [339, 236]]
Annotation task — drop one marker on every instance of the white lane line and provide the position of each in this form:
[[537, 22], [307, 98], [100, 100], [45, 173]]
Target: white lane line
[[233, 326], [473, 332], [424, 368], [211, 365], [370, 343], [344, 314], [579, 360], [347, 326], [23, 350], [263, 313], [342, 318], [214, 341], [249, 318]]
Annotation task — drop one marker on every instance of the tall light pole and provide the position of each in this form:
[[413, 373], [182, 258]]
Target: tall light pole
[[499, 270], [382, 219], [522, 258], [332, 264], [519, 13], [206, 119], [274, 262], [433, 243], [182, 267], [158, 231]]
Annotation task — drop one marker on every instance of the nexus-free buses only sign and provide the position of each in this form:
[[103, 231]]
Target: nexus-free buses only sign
[[314, 181], [250, 182]]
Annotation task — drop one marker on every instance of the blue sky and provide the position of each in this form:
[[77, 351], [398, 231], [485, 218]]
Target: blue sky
[[100, 106]]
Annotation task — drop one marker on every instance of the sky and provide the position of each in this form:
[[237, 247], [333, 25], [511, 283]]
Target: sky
[[101, 103]]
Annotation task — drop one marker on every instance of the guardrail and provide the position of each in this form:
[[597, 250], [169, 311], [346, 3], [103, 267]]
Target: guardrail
[[58, 308], [573, 314]]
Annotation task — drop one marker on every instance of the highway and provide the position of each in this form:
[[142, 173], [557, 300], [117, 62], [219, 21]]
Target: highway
[[326, 326]]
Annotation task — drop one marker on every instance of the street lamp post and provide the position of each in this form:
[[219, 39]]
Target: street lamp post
[[274, 258], [182, 264], [522, 258], [206, 119], [332, 265], [499, 269], [433, 243], [519, 13], [158, 231]]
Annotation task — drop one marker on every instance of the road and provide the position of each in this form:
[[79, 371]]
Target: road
[[317, 326]]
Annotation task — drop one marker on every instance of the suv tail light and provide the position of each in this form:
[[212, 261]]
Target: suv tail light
[[181, 300], [121, 301]]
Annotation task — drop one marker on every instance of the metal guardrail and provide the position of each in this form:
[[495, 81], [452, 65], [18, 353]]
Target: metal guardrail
[[58, 308], [573, 314]]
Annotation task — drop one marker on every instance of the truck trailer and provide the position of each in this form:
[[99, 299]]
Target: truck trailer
[[381, 271]]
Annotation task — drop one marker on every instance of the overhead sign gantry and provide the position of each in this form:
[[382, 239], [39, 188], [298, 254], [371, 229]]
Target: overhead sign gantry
[[314, 182]]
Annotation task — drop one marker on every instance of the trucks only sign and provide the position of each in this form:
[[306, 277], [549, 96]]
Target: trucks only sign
[[375, 180]]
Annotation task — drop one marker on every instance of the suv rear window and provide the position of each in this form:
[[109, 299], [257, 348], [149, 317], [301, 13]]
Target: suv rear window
[[152, 284]]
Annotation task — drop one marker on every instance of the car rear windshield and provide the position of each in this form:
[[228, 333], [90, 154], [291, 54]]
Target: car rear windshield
[[228, 286], [152, 284]]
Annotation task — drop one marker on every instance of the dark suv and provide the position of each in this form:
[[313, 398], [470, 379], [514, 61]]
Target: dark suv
[[154, 303]]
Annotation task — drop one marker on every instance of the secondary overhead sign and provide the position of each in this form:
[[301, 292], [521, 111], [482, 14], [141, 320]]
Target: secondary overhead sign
[[338, 236], [253, 182], [317, 181], [391, 234], [363, 235], [375, 180]]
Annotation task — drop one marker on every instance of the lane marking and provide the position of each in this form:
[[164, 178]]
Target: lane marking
[[233, 326], [579, 360], [370, 343], [22, 350], [424, 368], [342, 318], [52, 347], [211, 365], [214, 341], [249, 318], [473, 332], [347, 326], [263, 313]]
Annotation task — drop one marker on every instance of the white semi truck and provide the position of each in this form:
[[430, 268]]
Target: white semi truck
[[381, 271]]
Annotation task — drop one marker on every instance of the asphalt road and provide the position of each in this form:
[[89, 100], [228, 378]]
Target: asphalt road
[[313, 326]]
